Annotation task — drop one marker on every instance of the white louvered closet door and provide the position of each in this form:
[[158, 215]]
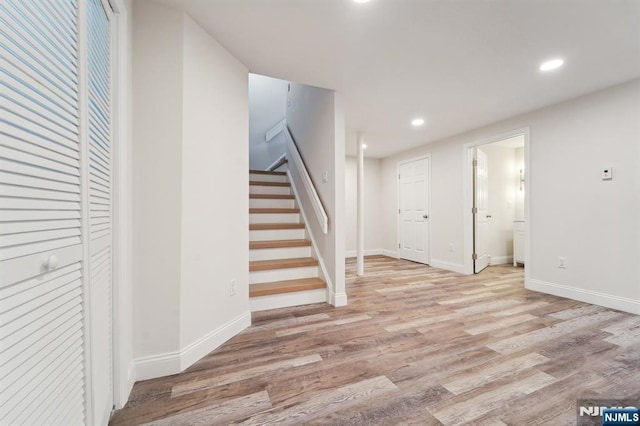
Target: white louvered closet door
[[99, 211], [41, 287], [55, 214]]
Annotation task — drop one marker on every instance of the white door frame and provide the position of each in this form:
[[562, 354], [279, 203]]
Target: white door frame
[[398, 226], [467, 196], [123, 371]]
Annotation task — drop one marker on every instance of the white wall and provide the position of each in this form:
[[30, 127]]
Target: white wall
[[215, 188], [157, 173], [502, 199], [315, 118], [574, 214], [267, 107], [190, 104], [372, 202]]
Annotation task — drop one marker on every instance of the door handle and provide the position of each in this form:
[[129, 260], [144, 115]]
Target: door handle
[[426, 216], [50, 263]]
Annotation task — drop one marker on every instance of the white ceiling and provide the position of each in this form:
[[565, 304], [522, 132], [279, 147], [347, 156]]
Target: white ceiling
[[460, 64]]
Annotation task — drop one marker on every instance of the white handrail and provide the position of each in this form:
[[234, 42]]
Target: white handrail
[[279, 162], [296, 159], [275, 130]]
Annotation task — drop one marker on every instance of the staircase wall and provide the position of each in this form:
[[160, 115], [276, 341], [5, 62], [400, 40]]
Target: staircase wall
[[214, 187], [190, 206], [267, 107], [315, 118]]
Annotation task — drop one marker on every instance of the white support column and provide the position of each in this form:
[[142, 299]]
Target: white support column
[[360, 219]]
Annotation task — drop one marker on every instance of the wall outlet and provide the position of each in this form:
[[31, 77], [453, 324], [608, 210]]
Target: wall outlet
[[232, 288], [607, 173], [325, 177], [451, 248], [562, 262]]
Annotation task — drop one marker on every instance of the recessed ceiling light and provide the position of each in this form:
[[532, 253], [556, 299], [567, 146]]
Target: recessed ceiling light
[[364, 146], [551, 65], [417, 122], [361, 1]]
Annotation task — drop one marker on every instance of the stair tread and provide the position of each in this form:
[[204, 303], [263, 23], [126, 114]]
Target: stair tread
[[263, 183], [266, 172], [268, 226], [273, 196], [296, 262], [273, 210], [256, 245], [289, 286]]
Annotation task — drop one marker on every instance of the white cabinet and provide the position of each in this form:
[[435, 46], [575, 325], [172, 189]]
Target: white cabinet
[[518, 242]]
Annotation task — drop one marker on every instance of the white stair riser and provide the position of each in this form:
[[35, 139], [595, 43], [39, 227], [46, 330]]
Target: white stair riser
[[267, 178], [271, 203], [279, 253], [277, 234], [275, 301], [259, 189], [274, 218], [282, 274]]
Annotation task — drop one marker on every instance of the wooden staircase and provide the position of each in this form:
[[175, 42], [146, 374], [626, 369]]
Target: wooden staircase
[[282, 268]]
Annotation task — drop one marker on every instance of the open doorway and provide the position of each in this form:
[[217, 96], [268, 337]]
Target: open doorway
[[496, 196]]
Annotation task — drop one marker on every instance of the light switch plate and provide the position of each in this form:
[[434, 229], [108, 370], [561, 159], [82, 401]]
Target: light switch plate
[[607, 173]]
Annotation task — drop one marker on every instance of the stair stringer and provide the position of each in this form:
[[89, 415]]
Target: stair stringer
[[315, 253]]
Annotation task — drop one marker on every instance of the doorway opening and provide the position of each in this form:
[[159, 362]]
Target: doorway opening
[[496, 201]]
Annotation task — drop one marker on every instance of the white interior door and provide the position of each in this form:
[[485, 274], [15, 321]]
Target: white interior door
[[414, 210], [99, 186], [481, 211], [42, 353]]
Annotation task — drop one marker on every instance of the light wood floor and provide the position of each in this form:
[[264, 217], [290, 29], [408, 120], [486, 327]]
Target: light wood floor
[[416, 345]]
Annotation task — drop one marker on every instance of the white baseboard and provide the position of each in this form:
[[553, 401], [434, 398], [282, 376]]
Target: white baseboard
[[500, 260], [201, 347], [367, 252], [339, 299], [390, 253], [587, 296], [160, 365], [276, 301], [449, 266], [169, 363]]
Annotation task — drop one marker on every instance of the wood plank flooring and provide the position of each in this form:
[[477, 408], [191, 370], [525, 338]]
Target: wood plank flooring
[[416, 345]]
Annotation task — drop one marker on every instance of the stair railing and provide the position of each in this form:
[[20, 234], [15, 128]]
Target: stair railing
[[309, 187], [280, 161]]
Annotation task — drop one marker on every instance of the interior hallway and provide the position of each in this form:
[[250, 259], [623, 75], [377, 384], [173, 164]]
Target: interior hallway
[[416, 345]]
